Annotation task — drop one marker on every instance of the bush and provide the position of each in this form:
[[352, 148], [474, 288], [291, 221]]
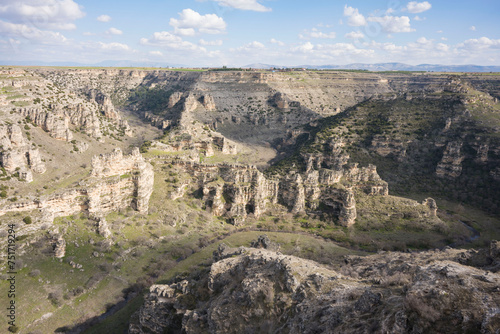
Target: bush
[[13, 329], [56, 298], [34, 273], [3, 194], [27, 220]]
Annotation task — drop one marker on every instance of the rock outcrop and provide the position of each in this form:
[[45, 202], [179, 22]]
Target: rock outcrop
[[236, 191], [451, 163], [17, 156], [259, 290], [118, 181]]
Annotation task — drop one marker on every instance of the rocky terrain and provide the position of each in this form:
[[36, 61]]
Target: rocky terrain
[[102, 169], [261, 290]]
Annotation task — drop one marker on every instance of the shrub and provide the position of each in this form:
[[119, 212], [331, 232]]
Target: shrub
[[34, 273], [27, 220]]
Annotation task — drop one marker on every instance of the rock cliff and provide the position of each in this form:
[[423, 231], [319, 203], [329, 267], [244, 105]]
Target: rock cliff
[[117, 182], [261, 290], [17, 155]]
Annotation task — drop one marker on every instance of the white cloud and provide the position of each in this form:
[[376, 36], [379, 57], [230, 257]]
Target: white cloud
[[393, 24], [191, 21], [113, 46], [418, 18], [31, 33], [480, 44], [104, 18], [442, 47], [306, 47], [156, 53], [47, 14], [315, 33], [439, 31], [256, 45], [244, 5], [217, 42], [355, 18], [88, 33], [423, 40], [389, 11], [251, 48], [415, 7], [171, 41], [275, 41], [114, 31], [473, 28], [354, 35]]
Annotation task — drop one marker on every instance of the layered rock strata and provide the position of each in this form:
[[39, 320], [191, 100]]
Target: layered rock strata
[[118, 181], [236, 191], [16, 155]]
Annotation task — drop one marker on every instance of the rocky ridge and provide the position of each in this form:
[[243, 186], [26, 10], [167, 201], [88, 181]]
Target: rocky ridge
[[261, 290]]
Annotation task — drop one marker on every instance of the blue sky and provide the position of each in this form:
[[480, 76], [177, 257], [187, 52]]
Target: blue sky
[[241, 32]]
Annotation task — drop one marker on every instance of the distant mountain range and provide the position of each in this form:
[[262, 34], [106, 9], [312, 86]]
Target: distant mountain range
[[389, 67], [354, 66], [105, 63]]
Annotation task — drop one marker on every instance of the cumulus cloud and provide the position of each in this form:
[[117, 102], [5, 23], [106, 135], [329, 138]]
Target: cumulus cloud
[[418, 18], [114, 31], [244, 5], [473, 28], [442, 47], [480, 44], [275, 41], [190, 22], [393, 24], [113, 46], [170, 41], [415, 7], [31, 33], [355, 19], [156, 53], [104, 18], [306, 47], [47, 14], [354, 35], [217, 42], [250, 48], [315, 33]]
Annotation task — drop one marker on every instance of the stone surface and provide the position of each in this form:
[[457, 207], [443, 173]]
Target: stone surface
[[259, 290]]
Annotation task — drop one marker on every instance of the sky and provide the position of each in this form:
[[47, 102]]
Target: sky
[[199, 33]]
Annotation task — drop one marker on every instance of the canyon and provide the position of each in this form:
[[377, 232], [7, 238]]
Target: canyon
[[111, 162]]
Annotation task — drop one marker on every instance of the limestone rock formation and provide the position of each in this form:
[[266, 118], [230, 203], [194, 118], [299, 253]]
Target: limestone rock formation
[[451, 163], [208, 102], [16, 155], [55, 123], [117, 182], [60, 247], [431, 204], [174, 99], [386, 146], [260, 290], [103, 228]]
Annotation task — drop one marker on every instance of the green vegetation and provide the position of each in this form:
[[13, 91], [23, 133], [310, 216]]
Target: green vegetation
[[154, 99]]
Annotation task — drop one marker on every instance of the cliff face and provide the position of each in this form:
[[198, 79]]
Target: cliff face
[[117, 182], [262, 290], [236, 191], [16, 155]]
